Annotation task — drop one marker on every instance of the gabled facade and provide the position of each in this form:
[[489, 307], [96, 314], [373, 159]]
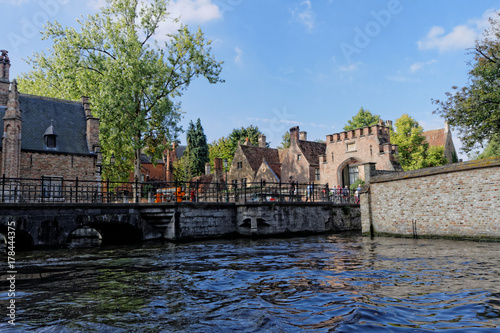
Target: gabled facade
[[442, 138], [46, 137], [248, 160], [301, 160]]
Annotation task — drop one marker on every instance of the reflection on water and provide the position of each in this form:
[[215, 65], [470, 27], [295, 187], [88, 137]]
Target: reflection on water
[[319, 284]]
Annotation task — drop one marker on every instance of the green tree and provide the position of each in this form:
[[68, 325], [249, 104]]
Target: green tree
[[363, 118], [131, 80], [474, 110], [197, 148], [414, 150], [492, 149], [220, 149], [285, 141], [240, 135], [183, 169]]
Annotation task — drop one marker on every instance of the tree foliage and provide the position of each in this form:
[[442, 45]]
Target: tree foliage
[[285, 141], [492, 149], [131, 80], [226, 147], [197, 148], [362, 119], [474, 110], [413, 149]]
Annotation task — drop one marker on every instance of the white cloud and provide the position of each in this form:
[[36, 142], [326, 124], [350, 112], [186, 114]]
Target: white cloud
[[194, 11], [460, 37], [419, 65], [239, 54], [349, 68], [304, 15]]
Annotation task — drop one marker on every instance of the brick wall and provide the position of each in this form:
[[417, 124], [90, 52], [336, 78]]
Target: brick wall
[[36, 165], [458, 200]]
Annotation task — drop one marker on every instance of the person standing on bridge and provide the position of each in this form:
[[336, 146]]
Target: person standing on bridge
[[292, 188]]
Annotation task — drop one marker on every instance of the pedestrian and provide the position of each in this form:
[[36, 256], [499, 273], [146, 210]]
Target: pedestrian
[[309, 192], [292, 187]]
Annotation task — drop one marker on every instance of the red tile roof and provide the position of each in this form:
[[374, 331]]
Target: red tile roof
[[435, 137], [312, 150], [255, 156]]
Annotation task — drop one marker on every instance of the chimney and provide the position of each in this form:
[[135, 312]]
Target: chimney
[[218, 169], [388, 123], [92, 126], [207, 168], [262, 141], [294, 134], [247, 142], [303, 136], [446, 127], [4, 77]]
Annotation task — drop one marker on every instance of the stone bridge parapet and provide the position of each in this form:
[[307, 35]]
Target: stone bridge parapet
[[51, 224]]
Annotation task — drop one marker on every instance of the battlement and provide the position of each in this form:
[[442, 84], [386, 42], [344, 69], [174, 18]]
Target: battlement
[[382, 129]]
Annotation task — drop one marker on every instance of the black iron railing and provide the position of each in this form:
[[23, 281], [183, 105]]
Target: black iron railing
[[60, 190]]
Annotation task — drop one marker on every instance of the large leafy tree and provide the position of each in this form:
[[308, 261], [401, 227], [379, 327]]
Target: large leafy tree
[[414, 151], [474, 110], [226, 147], [362, 119], [197, 148], [132, 81], [493, 148]]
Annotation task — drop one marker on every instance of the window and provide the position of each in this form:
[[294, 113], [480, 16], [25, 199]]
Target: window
[[240, 165], [299, 157], [50, 141], [353, 174], [316, 174], [52, 187], [333, 157]]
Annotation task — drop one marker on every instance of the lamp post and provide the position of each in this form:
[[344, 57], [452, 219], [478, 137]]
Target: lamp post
[[227, 189]]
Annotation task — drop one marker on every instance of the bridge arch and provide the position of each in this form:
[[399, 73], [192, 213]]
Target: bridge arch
[[111, 232], [23, 241]]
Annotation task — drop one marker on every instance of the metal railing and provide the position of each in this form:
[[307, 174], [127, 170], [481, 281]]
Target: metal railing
[[59, 190]]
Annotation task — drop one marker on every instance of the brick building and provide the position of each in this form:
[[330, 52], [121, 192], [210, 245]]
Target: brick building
[[251, 160], [301, 159], [349, 153], [163, 170], [46, 137], [442, 138]]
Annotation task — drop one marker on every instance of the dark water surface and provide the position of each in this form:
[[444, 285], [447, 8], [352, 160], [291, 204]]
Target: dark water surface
[[344, 283]]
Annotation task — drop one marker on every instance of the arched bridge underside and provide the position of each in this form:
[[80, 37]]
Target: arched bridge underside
[[52, 224]]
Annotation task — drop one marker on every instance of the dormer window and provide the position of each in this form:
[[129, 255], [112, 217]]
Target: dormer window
[[50, 137]]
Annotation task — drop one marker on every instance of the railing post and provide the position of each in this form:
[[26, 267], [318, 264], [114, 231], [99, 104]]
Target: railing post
[[107, 190], [137, 191], [3, 188], [76, 190]]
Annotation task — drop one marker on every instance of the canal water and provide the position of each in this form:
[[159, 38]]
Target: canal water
[[331, 283]]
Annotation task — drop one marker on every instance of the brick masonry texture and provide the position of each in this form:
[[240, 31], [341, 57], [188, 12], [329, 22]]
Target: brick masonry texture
[[459, 200]]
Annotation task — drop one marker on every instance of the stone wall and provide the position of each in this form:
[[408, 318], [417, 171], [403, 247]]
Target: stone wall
[[457, 200]]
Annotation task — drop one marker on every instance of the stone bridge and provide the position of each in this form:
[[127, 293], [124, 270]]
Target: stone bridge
[[51, 224]]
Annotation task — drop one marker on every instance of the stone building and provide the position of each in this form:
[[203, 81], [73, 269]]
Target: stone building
[[350, 154], [442, 138], [254, 163], [301, 160], [46, 137]]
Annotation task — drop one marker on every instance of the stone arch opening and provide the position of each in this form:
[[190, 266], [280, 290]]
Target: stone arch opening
[[347, 172], [23, 240], [84, 237], [117, 233]]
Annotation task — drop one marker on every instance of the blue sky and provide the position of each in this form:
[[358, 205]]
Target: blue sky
[[307, 63]]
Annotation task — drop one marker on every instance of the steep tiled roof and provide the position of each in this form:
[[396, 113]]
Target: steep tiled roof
[[255, 156], [67, 117], [312, 150], [275, 167], [435, 137]]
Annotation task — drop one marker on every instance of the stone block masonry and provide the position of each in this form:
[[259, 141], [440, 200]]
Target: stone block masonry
[[459, 200]]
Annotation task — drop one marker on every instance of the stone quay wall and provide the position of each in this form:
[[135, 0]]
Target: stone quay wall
[[460, 200]]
